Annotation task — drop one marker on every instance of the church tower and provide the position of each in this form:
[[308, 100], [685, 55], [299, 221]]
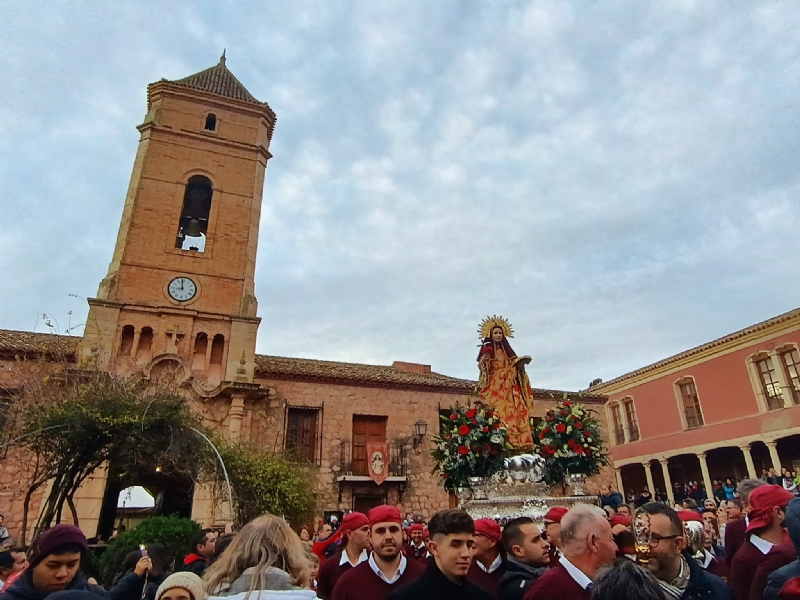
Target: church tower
[[180, 290]]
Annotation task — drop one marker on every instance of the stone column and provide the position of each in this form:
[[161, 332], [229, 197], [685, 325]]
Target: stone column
[[748, 459], [649, 474], [773, 454], [620, 488], [706, 476], [236, 413], [667, 480]]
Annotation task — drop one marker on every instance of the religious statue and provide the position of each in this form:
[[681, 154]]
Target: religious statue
[[503, 383]]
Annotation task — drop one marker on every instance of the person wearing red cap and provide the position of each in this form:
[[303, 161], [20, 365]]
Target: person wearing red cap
[[765, 535], [387, 568], [55, 562], [488, 563], [445, 577], [736, 528], [355, 533], [552, 529], [416, 548]]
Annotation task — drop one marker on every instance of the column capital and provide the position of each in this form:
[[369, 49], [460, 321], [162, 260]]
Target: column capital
[[745, 447], [772, 444], [701, 455], [646, 464], [664, 461]]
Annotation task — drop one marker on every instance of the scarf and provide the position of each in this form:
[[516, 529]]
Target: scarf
[[676, 587]]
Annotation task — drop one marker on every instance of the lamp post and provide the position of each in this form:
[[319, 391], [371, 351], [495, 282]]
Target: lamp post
[[420, 429]]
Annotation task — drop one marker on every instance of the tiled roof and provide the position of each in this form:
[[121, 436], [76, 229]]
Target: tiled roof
[[218, 80], [280, 367], [29, 343], [731, 337]]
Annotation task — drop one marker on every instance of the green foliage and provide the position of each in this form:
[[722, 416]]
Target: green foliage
[[267, 483], [173, 532], [472, 443], [570, 442]]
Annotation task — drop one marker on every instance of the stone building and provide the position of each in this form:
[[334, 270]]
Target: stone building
[[179, 299], [727, 408]]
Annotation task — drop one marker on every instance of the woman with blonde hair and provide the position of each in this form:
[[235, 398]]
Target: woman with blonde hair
[[266, 560]]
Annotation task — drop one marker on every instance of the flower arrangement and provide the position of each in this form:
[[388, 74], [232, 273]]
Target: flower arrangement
[[471, 443], [570, 442]]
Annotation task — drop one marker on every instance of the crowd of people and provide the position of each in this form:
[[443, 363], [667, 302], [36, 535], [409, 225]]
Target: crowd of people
[[742, 548]]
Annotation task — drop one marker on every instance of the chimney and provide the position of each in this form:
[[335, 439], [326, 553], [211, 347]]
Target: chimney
[[411, 367]]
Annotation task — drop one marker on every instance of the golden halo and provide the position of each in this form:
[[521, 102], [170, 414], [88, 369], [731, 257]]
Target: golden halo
[[489, 323]]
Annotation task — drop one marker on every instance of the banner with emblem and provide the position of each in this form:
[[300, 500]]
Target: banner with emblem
[[378, 461]]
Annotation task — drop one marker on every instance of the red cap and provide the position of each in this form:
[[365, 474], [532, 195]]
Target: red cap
[[555, 514], [688, 515], [620, 520], [426, 535], [762, 500], [488, 528], [384, 514], [415, 527], [353, 521]]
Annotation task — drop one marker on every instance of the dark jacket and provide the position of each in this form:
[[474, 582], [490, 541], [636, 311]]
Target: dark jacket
[[517, 579], [433, 585], [735, 537], [196, 564], [779, 577], [704, 585], [130, 586], [23, 589]]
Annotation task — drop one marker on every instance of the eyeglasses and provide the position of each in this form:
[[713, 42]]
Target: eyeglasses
[[655, 539]]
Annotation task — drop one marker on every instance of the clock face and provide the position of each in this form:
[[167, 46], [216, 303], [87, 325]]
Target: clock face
[[182, 289]]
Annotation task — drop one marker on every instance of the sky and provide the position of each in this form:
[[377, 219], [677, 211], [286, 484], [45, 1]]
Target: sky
[[619, 180]]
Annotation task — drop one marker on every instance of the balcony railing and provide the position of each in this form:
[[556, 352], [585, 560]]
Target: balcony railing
[[353, 459]]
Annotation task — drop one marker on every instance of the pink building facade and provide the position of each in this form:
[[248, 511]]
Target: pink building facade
[[727, 409]]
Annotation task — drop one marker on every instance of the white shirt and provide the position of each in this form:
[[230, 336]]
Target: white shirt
[[763, 545], [579, 576], [397, 574], [346, 559], [492, 567], [707, 558]]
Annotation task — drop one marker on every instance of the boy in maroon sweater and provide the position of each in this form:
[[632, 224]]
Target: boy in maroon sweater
[[387, 567], [355, 533], [488, 564]]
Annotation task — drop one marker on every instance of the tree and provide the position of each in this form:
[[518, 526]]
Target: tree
[[74, 425], [266, 483]]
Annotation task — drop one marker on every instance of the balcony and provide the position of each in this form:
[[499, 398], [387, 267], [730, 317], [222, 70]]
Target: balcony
[[352, 466]]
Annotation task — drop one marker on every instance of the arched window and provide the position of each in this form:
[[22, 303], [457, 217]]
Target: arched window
[[211, 122], [200, 349], [193, 226], [126, 342], [217, 349], [692, 415], [145, 344], [630, 417]]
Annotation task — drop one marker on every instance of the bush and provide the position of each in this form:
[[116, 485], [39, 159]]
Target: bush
[[173, 532]]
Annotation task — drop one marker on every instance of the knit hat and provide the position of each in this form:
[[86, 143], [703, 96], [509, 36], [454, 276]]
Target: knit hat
[[186, 580], [620, 520], [488, 528], [689, 515], [384, 514], [555, 514], [353, 521], [762, 500], [53, 539]]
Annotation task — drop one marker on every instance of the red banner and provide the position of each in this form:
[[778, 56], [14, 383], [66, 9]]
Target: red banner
[[378, 461]]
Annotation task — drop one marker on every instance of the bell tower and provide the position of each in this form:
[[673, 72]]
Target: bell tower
[[180, 288]]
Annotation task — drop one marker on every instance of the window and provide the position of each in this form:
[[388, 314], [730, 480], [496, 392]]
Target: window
[[126, 341], [144, 350], [633, 425], [366, 428], [217, 349], [769, 383], [211, 122], [303, 433], [791, 360], [616, 417], [193, 226], [691, 404]]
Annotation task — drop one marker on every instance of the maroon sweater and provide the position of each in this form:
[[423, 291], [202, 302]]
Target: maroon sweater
[[735, 536], [362, 583], [720, 569], [329, 574], [488, 581], [778, 557], [556, 584], [412, 552], [745, 564]]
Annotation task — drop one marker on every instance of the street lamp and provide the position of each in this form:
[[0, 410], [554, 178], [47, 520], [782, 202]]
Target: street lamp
[[420, 429]]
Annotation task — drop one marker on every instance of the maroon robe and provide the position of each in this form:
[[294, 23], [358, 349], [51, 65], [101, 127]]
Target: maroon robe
[[778, 557], [556, 584], [361, 583], [743, 570], [488, 581], [718, 567], [329, 574], [412, 552], [735, 536]]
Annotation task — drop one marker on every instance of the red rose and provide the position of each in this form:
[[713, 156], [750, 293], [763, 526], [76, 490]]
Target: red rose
[[463, 430], [471, 413], [485, 430], [578, 425], [567, 403], [496, 426], [561, 428], [486, 447], [563, 412], [579, 449], [463, 450], [588, 452], [570, 442], [453, 417], [542, 434], [446, 475], [489, 414]]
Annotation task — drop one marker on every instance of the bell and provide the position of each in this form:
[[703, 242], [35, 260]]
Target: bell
[[194, 228]]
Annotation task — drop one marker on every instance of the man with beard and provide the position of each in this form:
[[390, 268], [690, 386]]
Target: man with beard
[[488, 564], [387, 567], [445, 578], [765, 543], [416, 547], [527, 557], [355, 533]]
